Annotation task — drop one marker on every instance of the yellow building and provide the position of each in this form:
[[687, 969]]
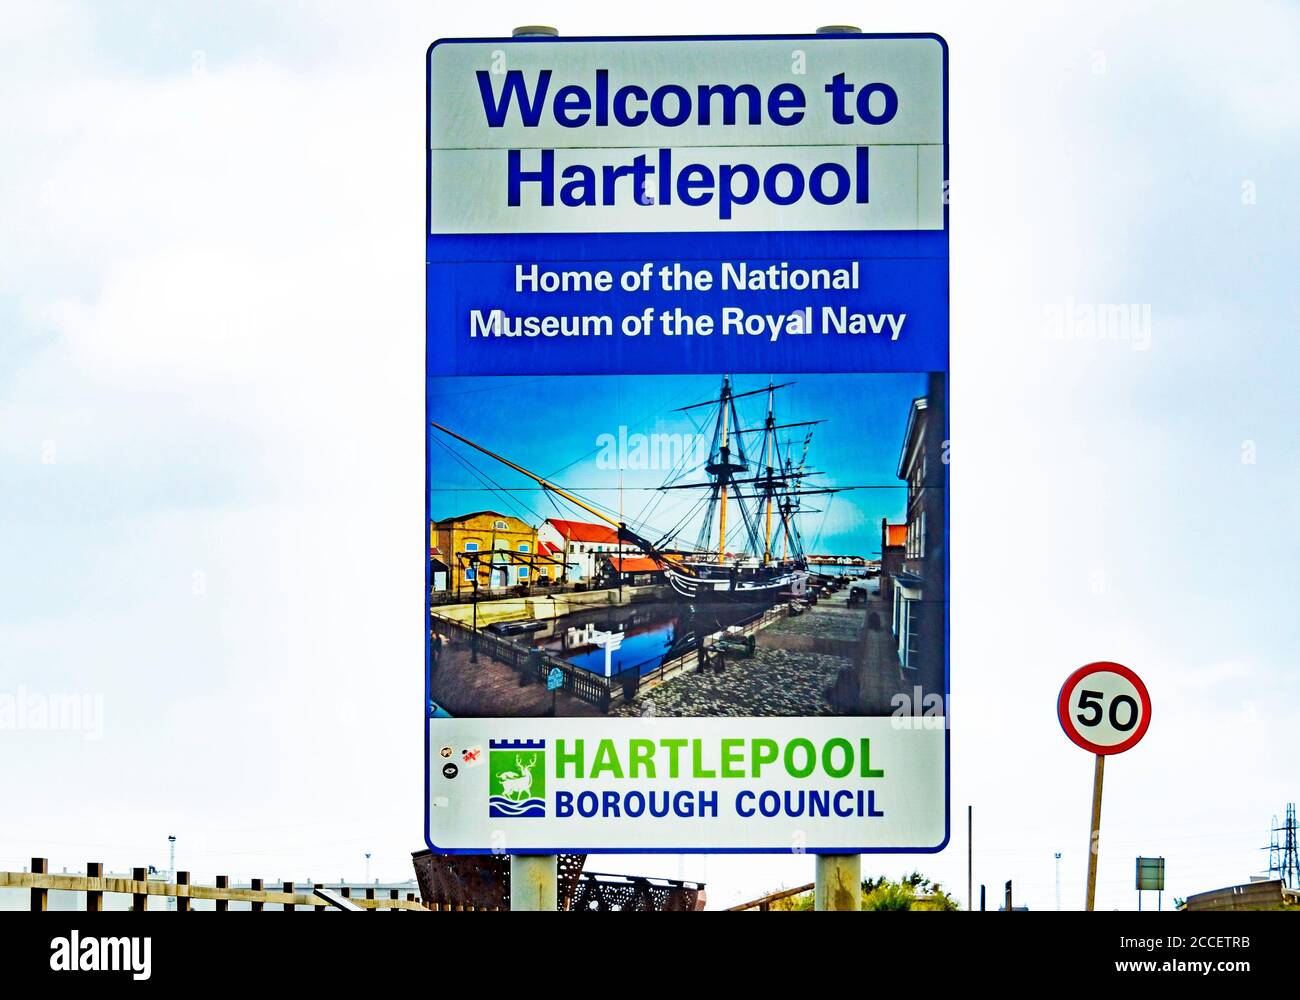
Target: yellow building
[[458, 548]]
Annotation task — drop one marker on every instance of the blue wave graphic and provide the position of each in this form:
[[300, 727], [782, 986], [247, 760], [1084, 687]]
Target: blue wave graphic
[[504, 808]]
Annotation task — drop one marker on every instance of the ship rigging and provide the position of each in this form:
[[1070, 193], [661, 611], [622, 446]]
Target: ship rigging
[[761, 488]]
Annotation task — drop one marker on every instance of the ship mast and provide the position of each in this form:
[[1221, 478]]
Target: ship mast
[[772, 482], [722, 493], [790, 503], [778, 476], [767, 463], [725, 468]]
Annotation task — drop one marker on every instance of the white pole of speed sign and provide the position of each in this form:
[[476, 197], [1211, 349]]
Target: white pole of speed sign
[[1104, 708]]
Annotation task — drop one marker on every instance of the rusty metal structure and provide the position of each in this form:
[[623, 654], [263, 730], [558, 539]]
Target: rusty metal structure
[[602, 893], [482, 882]]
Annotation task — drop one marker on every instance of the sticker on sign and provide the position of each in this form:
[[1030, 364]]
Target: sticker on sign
[[1104, 708]]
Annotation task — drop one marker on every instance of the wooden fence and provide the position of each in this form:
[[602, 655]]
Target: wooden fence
[[140, 888], [764, 903]]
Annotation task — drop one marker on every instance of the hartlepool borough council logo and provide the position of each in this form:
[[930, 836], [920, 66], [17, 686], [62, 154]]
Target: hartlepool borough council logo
[[516, 778]]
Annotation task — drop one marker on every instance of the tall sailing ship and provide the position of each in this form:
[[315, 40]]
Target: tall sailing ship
[[747, 546], [760, 494]]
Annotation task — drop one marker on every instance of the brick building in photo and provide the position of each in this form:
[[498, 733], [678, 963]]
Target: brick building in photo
[[893, 546], [919, 588], [458, 547]]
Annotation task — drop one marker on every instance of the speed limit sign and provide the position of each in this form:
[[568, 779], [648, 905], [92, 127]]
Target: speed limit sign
[[1104, 708]]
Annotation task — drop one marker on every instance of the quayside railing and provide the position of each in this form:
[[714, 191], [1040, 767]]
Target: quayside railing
[[595, 689]]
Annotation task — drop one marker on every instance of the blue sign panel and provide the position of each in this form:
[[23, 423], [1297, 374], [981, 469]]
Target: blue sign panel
[[687, 443]]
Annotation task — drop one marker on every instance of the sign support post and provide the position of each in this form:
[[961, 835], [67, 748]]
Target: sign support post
[[970, 858], [1150, 876], [1104, 708], [836, 870], [1094, 837], [534, 883], [838, 882]]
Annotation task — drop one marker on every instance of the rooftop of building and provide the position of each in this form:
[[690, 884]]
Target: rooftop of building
[[584, 531]]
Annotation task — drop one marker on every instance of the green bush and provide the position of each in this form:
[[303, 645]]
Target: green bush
[[911, 892], [889, 896]]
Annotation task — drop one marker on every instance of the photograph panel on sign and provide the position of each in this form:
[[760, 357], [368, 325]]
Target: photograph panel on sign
[[687, 545]]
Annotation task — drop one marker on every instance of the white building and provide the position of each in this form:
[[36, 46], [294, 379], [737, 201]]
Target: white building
[[581, 546]]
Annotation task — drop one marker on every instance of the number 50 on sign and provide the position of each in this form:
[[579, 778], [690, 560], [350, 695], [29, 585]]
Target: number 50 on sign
[[1104, 708]]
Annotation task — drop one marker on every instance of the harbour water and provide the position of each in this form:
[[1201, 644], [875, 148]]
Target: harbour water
[[652, 633]]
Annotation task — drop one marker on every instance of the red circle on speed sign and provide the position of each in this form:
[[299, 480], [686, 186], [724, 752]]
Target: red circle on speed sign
[[1104, 707]]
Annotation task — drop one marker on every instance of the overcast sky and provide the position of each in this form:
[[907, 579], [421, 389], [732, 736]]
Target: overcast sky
[[211, 428]]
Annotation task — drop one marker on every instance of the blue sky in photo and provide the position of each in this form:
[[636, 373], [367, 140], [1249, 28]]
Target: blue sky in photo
[[551, 427]]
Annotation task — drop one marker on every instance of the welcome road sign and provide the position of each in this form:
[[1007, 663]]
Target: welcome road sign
[[686, 458]]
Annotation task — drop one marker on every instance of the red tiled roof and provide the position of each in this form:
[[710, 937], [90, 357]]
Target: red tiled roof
[[636, 564], [583, 531], [547, 549]]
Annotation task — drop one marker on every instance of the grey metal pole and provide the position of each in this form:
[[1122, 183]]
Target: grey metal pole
[[970, 858], [534, 882], [473, 636], [838, 882]]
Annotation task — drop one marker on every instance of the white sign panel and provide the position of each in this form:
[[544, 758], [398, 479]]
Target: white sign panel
[[717, 134], [687, 783]]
